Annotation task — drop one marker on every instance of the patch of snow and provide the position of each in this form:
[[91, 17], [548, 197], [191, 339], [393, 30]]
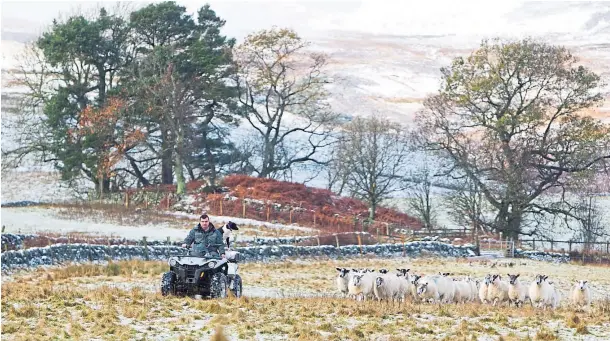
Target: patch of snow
[[245, 221], [37, 219]]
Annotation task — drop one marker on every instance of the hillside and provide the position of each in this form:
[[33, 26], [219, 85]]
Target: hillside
[[288, 203]]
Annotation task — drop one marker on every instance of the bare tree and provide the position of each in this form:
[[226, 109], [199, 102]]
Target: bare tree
[[419, 196], [590, 222], [281, 89], [509, 118], [373, 152], [466, 206], [336, 173]]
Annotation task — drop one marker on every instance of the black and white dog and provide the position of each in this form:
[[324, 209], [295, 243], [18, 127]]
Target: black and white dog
[[226, 231]]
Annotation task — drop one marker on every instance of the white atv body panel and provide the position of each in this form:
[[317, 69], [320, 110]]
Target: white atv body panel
[[198, 261]]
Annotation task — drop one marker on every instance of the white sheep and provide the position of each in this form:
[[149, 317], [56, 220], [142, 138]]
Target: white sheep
[[343, 279], [542, 293], [445, 287], [474, 288], [436, 285], [414, 283], [517, 291], [406, 285], [389, 287], [483, 289], [427, 290], [361, 285], [462, 291], [581, 295], [556, 297], [498, 290]]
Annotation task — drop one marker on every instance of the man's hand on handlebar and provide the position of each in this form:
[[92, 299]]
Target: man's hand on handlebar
[[184, 246]]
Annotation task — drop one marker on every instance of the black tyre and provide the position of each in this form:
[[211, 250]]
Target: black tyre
[[168, 283], [236, 286], [219, 286]]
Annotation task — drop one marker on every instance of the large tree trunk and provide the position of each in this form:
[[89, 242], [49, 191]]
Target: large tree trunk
[[103, 186], [372, 209], [514, 226], [167, 176], [181, 184], [212, 165], [268, 160], [509, 223]]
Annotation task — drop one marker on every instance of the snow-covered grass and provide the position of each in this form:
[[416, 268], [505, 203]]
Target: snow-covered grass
[[122, 300], [244, 221], [129, 224]]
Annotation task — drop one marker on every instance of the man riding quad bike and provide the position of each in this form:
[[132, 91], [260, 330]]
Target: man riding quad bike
[[206, 270]]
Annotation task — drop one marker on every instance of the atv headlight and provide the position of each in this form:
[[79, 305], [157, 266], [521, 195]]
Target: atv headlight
[[172, 262], [211, 264]]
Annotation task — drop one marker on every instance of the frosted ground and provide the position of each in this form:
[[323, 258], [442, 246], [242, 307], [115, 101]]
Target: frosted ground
[[293, 299]]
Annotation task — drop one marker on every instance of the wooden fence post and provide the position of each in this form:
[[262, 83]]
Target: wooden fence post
[[127, 199], [552, 245], [377, 234], [337, 239], [314, 219], [570, 246], [268, 211], [243, 210], [169, 243], [404, 247], [359, 242], [318, 238], [220, 207], [145, 247], [290, 214]]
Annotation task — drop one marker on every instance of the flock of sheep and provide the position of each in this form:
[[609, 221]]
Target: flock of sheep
[[362, 284]]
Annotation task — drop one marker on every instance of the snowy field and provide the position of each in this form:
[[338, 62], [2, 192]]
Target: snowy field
[[293, 299], [176, 226]]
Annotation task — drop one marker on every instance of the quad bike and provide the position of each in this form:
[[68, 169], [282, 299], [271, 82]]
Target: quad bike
[[208, 275]]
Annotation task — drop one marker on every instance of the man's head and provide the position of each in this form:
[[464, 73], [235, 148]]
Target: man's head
[[204, 221]]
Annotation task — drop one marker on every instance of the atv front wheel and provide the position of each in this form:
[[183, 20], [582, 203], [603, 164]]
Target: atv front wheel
[[236, 286], [168, 283], [218, 288]]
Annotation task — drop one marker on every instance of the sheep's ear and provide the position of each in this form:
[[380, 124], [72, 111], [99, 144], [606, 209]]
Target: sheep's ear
[[517, 275], [408, 270], [584, 282], [339, 269], [509, 275]]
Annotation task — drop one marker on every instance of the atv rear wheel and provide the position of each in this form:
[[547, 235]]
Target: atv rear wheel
[[236, 286], [168, 283], [219, 287]]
